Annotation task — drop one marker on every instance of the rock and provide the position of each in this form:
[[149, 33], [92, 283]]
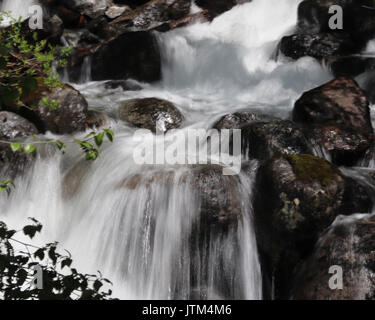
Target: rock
[[126, 85], [263, 140], [217, 7], [68, 117], [238, 119], [351, 66], [296, 198], [147, 113], [349, 244], [152, 15], [65, 10], [219, 197], [344, 146], [132, 55], [313, 15], [89, 8], [337, 116], [116, 11], [96, 120], [319, 46], [13, 128]]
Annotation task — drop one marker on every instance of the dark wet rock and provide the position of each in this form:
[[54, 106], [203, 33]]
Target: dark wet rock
[[96, 119], [68, 117], [313, 15], [350, 66], [217, 7], [101, 28], [349, 244], [13, 128], [321, 45], [239, 119], [126, 85], [81, 38], [296, 198], [345, 146], [337, 116], [66, 11], [132, 55], [152, 15], [149, 112], [263, 140], [91, 9], [219, 196]]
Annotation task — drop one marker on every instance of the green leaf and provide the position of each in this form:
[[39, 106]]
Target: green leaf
[[99, 139], [92, 154], [61, 146], [109, 133], [29, 148], [16, 147]]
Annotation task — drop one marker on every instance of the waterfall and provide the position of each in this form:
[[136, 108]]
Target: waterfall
[[137, 224]]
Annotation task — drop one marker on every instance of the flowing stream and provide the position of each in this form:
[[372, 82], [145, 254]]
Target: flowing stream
[[134, 222]]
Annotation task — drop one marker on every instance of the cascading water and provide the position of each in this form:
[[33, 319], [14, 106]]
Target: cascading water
[[135, 223], [17, 8]]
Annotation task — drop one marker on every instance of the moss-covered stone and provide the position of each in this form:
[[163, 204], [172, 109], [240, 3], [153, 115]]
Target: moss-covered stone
[[309, 168], [296, 198]]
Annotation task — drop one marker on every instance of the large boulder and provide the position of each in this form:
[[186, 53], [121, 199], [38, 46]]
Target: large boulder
[[239, 119], [67, 117], [337, 116], [319, 46], [132, 55], [263, 140], [13, 128], [296, 198], [149, 113], [349, 244]]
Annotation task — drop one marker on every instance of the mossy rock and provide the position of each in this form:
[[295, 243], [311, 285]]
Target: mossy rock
[[296, 198], [309, 168], [70, 115]]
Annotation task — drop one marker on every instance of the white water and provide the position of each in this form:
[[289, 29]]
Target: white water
[[139, 237], [18, 8]]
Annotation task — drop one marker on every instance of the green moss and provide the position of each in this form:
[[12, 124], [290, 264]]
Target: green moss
[[312, 169]]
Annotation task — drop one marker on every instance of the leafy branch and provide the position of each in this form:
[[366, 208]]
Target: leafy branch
[[58, 279]]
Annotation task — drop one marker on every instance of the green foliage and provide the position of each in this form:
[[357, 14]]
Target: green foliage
[[23, 60], [6, 185], [59, 281], [89, 148]]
